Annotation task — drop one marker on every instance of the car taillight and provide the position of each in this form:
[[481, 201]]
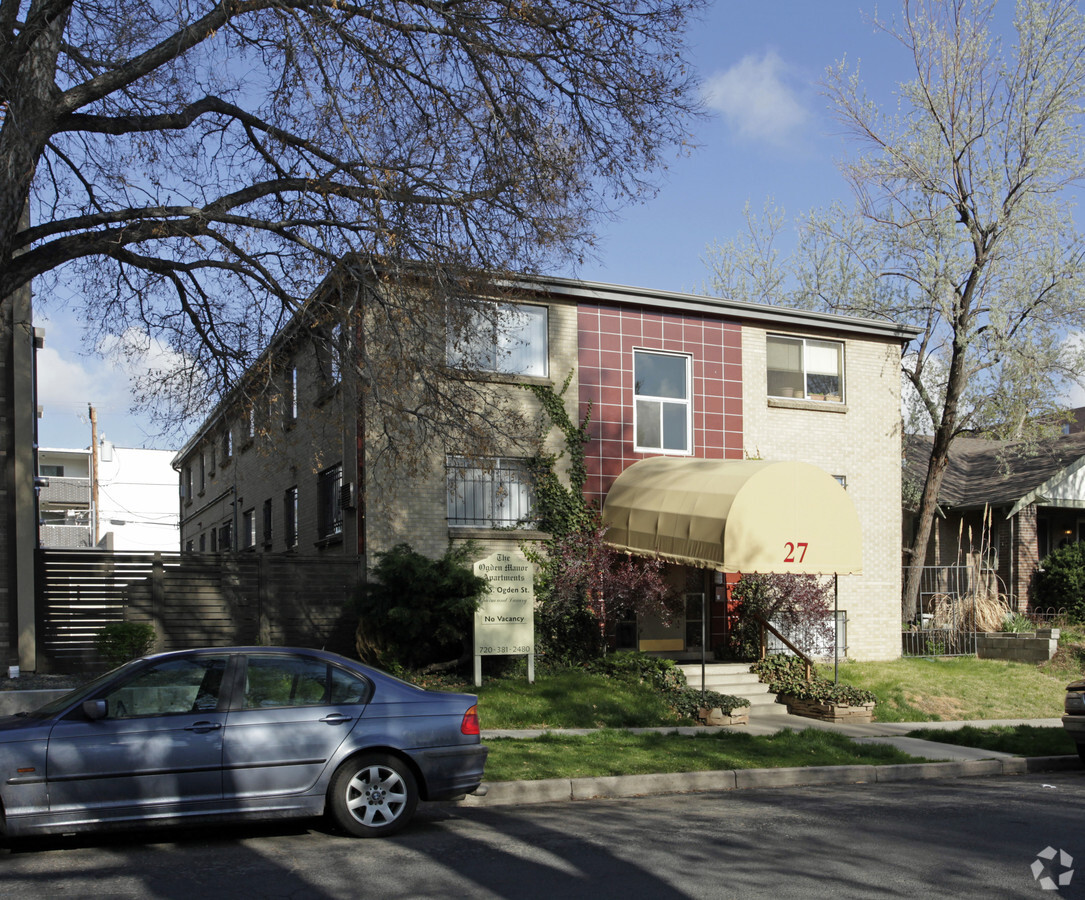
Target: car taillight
[[470, 722]]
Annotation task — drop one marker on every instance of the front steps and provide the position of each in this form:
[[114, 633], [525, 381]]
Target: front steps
[[737, 680]]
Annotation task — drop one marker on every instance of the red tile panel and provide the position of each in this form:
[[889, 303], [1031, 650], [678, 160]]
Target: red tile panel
[[606, 379]]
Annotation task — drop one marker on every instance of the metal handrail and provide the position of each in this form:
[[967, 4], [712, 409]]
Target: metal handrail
[[763, 626]]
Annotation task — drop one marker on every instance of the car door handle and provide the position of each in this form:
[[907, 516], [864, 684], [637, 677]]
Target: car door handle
[[203, 727], [336, 718]]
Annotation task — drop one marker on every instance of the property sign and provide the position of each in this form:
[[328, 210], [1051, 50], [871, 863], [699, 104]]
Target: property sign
[[505, 620]]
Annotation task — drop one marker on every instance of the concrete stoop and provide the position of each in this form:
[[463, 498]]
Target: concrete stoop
[[735, 679]]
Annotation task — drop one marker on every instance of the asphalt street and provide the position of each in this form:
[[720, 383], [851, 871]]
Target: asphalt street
[[988, 837]]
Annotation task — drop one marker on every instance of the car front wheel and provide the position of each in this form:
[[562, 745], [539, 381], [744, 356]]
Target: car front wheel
[[373, 795]]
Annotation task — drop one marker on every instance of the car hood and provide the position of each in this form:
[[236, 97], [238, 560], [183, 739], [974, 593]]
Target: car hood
[[1076, 685]]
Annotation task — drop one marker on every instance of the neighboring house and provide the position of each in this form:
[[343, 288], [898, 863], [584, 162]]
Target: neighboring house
[[132, 508], [665, 375], [1003, 504], [1077, 421]]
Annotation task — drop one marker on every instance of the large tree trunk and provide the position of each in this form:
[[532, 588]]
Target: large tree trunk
[[29, 118], [928, 506], [936, 469]]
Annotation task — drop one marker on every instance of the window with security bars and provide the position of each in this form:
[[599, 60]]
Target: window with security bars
[[491, 493], [329, 509]]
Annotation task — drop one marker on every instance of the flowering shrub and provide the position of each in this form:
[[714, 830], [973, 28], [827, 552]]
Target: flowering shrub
[[800, 606]]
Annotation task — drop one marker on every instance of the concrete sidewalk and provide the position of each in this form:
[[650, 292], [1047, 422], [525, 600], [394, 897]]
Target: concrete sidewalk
[[944, 761]]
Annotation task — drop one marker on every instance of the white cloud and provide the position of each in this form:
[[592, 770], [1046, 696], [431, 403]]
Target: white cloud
[[71, 379], [756, 99]]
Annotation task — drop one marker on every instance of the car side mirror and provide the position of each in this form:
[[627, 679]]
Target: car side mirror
[[95, 709]]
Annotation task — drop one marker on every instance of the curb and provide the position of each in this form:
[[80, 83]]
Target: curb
[[555, 790]]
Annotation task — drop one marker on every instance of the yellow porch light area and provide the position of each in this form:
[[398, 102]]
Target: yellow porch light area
[[735, 516]]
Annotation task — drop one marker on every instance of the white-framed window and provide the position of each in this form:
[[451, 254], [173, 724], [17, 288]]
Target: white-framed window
[[805, 368], [662, 408], [490, 493], [512, 339]]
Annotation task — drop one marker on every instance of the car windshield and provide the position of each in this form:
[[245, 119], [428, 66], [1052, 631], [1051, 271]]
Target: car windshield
[[61, 703]]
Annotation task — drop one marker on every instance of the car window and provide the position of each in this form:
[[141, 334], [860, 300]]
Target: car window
[[185, 685], [348, 688], [276, 681]]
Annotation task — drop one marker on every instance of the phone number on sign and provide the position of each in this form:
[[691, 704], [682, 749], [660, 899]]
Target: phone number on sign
[[526, 648]]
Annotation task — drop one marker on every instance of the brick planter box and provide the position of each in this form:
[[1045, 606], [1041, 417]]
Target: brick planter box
[[828, 712], [740, 715]]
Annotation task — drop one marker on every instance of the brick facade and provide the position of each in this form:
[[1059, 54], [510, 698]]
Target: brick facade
[[607, 337], [592, 333], [858, 440]]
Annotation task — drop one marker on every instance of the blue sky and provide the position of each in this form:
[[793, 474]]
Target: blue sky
[[768, 135]]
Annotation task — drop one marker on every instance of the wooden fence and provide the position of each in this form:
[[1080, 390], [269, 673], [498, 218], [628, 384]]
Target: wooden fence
[[193, 600]]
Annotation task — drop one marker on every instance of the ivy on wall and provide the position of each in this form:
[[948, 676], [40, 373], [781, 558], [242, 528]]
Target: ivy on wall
[[562, 510]]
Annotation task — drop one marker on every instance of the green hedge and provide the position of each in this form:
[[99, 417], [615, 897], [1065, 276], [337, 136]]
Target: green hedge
[[787, 675]]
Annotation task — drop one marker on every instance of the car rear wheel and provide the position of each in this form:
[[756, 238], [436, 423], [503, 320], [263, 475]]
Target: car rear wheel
[[1081, 752], [373, 795]]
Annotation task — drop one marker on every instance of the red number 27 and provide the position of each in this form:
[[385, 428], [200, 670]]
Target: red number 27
[[789, 556]]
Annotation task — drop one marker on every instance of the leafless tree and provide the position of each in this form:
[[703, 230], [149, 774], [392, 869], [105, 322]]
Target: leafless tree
[[194, 170]]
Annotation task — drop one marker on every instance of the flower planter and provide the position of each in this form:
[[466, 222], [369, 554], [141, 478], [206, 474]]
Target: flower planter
[[828, 712], [740, 715]]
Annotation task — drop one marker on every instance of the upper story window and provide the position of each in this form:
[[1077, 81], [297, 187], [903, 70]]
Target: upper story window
[[662, 412], [511, 341], [335, 354], [493, 493], [227, 444], [805, 368], [290, 400], [329, 510], [48, 471]]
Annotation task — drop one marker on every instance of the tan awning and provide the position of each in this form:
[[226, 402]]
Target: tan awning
[[735, 516]]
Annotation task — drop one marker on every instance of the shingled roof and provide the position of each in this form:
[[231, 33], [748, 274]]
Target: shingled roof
[[996, 473]]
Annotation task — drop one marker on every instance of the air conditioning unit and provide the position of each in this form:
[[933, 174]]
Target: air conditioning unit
[[346, 496]]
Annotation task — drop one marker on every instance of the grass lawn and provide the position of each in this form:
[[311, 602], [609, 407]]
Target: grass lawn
[[612, 752], [570, 699], [932, 690], [1021, 740]]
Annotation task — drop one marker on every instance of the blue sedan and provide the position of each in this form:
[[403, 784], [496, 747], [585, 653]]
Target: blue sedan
[[228, 733]]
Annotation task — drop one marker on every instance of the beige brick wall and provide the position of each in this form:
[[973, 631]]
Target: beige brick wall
[[859, 440], [415, 511], [284, 453]]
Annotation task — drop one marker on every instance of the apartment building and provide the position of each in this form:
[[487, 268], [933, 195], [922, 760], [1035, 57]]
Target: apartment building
[[736, 388]]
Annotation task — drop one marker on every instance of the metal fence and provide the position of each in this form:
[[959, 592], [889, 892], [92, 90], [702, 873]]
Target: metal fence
[[815, 640], [947, 610]]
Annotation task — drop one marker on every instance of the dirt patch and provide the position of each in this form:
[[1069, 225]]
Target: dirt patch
[[948, 709]]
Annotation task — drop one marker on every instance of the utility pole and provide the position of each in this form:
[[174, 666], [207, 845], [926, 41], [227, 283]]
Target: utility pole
[[94, 471]]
